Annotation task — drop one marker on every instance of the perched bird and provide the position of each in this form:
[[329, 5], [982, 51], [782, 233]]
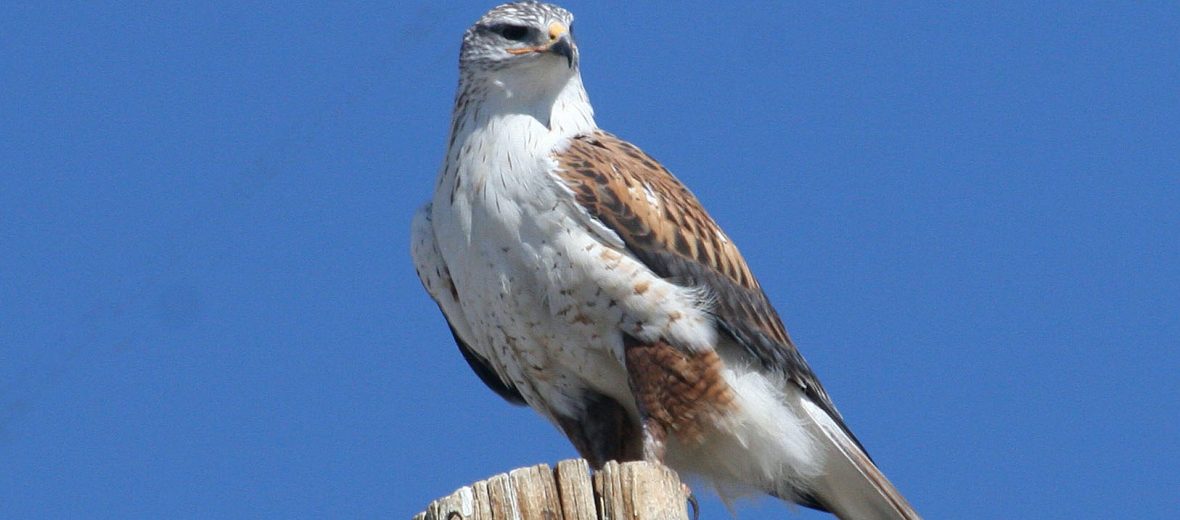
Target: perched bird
[[581, 278]]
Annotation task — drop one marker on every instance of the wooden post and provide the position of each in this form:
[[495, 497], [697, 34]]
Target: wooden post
[[628, 491]]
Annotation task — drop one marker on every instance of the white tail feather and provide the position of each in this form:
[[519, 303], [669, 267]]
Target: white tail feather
[[851, 485]]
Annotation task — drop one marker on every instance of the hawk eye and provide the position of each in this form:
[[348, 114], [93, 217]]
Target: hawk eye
[[515, 33]]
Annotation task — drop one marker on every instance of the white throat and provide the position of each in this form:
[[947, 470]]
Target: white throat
[[541, 106], [507, 125]]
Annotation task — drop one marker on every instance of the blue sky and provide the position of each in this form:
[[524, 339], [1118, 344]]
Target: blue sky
[[966, 214]]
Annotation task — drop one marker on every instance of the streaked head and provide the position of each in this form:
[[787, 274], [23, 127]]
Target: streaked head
[[521, 59], [521, 34]]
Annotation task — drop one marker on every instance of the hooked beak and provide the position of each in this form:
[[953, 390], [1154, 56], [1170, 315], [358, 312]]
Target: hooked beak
[[563, 47], [559, 44]]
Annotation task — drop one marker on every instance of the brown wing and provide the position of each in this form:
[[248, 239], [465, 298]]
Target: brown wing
[[664, 226]]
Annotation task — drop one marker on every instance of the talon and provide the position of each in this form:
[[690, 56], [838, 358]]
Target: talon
[[692, 501]]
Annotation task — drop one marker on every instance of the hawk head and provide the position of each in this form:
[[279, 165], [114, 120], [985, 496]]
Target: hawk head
[[518, 37], [520, 59]]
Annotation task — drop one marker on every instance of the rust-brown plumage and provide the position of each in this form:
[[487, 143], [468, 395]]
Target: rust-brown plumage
[[680, 392], [664, 225]]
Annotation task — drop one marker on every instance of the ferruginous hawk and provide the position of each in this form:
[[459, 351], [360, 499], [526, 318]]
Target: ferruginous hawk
[[581, 278]]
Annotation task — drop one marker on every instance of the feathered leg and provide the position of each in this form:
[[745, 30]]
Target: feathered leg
[[678, 393], [604, 431]]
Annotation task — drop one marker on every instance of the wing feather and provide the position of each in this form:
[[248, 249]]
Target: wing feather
[[664, 225], [436, 278]]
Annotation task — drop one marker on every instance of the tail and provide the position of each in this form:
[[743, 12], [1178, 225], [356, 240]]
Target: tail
[[851, 487]]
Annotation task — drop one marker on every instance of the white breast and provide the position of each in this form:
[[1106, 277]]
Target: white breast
[[507, 241]]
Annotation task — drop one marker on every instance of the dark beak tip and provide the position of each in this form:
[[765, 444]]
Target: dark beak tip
[[563, 48]]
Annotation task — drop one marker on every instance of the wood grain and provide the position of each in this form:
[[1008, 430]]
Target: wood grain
[[630, 491]]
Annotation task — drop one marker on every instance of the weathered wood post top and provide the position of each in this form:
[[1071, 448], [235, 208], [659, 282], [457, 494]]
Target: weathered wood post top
[[628, 491]]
